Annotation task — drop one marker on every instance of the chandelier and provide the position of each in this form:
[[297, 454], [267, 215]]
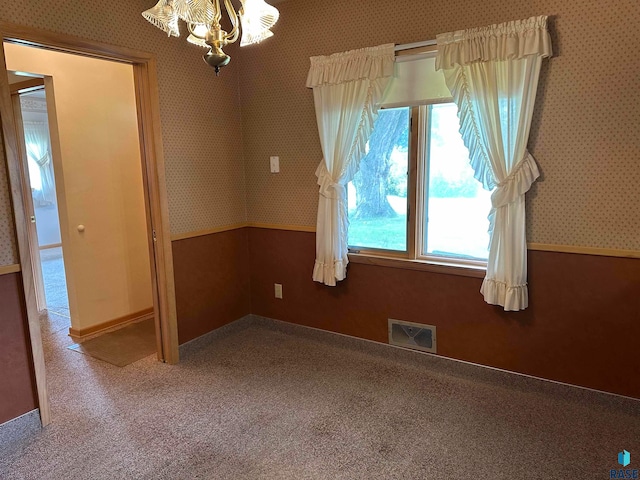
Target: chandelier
[[256, 17]]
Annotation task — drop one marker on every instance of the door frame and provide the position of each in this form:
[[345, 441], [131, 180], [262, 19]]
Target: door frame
[[151, 149]]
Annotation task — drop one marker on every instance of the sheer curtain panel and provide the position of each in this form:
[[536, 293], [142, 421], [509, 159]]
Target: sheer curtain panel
[[37, 139], [347, 90], [492, 73]]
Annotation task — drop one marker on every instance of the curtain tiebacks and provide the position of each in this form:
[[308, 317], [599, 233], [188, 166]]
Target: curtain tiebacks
[[328, 187], [517, 183]]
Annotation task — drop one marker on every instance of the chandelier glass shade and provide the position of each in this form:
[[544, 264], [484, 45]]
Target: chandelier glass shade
[[255, 19]]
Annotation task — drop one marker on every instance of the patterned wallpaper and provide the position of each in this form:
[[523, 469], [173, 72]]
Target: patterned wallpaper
[[585, 133], [200, 113], [8, 250]]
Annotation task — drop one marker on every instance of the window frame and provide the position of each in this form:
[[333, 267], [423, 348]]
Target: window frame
[[383, 252], [417, 194]]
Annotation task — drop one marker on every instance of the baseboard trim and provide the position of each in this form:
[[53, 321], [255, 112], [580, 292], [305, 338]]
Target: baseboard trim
[[50, 246], [447, 364], [230, 328], [81, 334]]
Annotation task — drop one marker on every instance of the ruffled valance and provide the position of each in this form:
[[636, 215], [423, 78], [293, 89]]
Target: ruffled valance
[[503, 41], [371, 63]]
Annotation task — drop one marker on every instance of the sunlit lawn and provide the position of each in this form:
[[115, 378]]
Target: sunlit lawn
[[386, 233], [456, 226]]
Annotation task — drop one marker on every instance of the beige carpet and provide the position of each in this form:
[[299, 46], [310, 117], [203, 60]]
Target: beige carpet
[[259, 403], [123, 346]]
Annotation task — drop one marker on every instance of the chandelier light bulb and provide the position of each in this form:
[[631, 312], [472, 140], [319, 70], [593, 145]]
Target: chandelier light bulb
[[200, 30]]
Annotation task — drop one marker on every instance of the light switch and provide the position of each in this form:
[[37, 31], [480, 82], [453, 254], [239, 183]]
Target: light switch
[[278, 290], [274, 162]]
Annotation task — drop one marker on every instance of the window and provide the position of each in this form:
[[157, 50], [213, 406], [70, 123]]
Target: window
[[415, 195], [455, 206], [377, 195]]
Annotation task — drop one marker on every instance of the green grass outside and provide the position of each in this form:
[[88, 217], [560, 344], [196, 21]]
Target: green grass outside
[[385, 233]]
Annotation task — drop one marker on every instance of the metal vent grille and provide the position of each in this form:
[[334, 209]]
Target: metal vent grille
[[417, 336]]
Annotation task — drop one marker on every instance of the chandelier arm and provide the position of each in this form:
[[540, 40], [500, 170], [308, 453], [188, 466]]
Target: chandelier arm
[[192, 31], [232, 36], [218, 12]]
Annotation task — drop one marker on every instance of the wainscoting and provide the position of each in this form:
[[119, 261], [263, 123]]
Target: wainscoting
[[17, 389], [581, 327], [212, 281]]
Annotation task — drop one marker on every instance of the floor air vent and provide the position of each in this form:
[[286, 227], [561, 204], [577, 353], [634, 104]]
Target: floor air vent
[[417, 336]]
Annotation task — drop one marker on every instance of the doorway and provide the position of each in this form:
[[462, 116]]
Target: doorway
[[155, 204], [32, 123], [98, 184]]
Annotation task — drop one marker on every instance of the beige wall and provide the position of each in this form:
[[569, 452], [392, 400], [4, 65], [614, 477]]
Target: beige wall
[[98, 182], [585, 133], [200, 113]]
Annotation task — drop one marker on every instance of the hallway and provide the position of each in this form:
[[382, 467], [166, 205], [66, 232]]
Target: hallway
[[55, 291]]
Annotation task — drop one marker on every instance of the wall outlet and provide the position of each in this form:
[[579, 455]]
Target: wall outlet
[[274, 164], [278, 290]]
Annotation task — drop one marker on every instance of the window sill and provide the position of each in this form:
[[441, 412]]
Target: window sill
[[443, 267]]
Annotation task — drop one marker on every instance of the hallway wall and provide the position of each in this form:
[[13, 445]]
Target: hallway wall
[[98, 184]]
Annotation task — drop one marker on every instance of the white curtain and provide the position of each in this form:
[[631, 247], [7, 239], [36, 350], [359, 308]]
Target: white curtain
[[38, 150], [492, 73], [347, 90]]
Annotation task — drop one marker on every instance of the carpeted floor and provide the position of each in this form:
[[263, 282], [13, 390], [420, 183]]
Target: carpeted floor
[[255, 402], [55, 282]]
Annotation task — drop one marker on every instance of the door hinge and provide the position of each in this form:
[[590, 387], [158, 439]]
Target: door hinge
[[154, 236]]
